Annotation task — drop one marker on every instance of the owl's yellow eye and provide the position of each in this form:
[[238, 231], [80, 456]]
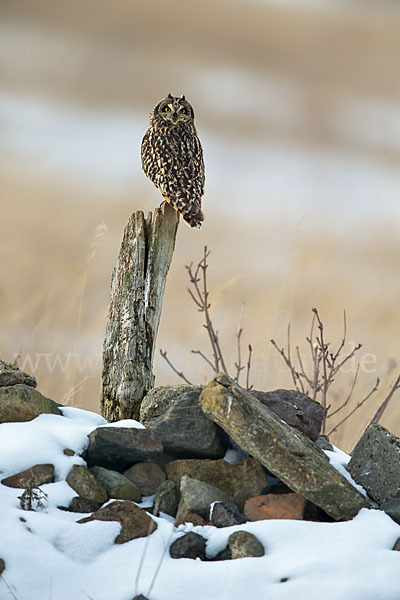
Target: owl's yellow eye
[[167, 109], [184, 111]]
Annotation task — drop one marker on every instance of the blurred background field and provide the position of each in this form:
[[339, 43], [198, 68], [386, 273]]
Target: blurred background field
[[297, 106]]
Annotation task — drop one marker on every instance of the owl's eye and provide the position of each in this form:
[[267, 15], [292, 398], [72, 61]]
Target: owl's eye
[[167, 109], [184, 111]]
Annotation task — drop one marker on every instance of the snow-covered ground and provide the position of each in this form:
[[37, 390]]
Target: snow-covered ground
[[49, 556]]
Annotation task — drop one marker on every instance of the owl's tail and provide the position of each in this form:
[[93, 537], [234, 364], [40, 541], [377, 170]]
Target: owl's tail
[[191, 213]]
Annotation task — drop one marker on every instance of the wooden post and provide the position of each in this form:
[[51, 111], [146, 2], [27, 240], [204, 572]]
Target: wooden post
[[137, 292]]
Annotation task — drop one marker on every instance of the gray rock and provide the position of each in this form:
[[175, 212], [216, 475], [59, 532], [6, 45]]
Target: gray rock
[[35, 476], [324, 443], [225, 514], [243, 544], [135, 522], [392, 508], [116, 485], [241, 481], [10, 375], [83, 505], [167, 499], [174, 412], [375, 463], [189, 545], [225, 554], [296, 409], [198, 495], [118, 448], [147, 477], [21, 402], [283, 450], [183, 515], [84, 483]]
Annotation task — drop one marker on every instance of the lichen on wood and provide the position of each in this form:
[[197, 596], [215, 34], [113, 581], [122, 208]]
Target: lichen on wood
[[137, 292]]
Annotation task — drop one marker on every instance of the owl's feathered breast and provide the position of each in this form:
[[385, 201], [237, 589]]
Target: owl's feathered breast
[[172, 158]]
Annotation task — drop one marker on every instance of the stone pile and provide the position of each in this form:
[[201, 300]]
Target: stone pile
[[183, 462]]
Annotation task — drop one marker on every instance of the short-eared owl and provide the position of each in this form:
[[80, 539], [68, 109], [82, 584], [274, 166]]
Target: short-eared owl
[[172, 157]]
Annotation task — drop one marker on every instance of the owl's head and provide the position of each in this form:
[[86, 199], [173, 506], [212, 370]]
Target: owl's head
[[175, 110]]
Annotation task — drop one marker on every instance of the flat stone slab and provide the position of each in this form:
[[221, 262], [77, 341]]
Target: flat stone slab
[[175, 414], [118, 448], [283, 450], [10, 375], [375, 463]]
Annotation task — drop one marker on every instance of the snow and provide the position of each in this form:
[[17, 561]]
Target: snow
[[339, 460], [125, 423], [48, 555]]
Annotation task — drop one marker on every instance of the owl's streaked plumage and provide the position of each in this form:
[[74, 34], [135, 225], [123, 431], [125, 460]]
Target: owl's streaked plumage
[[172, 157]]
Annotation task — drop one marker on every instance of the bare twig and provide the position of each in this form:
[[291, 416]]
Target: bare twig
[[345, 403], [238, 365], [200, 297], [325, 365], [32, 497], [357, 406], [9, 588], [179, 373], [204, 357], [384, 404], [288, 363], [248, 386], [199, 293]]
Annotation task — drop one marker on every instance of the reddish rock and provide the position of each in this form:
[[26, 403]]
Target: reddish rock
[[275, 506], [33, 477], [135, 522]]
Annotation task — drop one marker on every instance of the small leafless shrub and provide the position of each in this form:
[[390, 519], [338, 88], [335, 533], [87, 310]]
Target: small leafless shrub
[[33, 498], [312, 373], [199, 293], [326, 363]]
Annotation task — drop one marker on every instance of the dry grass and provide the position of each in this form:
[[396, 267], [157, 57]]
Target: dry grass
[[54, 301]]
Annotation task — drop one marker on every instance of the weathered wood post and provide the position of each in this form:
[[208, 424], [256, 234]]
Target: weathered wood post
[[137, 291]]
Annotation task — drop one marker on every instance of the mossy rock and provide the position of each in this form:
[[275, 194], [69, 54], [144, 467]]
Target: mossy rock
[[19, 403]]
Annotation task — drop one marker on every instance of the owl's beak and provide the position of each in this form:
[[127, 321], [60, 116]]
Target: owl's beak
[[175, 117]]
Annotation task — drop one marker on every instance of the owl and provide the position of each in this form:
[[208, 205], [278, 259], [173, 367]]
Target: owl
[[172, 157]]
